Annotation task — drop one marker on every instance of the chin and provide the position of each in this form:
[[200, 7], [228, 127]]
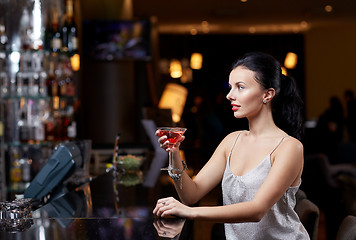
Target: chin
[[238, 115]]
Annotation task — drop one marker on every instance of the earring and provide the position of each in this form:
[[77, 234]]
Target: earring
[[264, 101]]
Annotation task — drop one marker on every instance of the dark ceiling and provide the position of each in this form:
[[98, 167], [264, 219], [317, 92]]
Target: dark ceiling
[[252, 16]]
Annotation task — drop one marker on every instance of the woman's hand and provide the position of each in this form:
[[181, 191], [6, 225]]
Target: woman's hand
[[167, 207], [165, 144], [168, 228]]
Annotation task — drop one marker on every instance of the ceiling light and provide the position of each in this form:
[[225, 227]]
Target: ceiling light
[[328, 8], [196, 61], [205, 27], [291, 60], [284, 71], [174, 97], [75, 62], [304, 25], [175, 68], [193, 31], [204, 23]]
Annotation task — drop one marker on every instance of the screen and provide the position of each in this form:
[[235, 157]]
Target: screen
[[111, 40]]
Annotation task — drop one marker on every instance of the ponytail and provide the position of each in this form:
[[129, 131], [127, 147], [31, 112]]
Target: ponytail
[[287, 107]]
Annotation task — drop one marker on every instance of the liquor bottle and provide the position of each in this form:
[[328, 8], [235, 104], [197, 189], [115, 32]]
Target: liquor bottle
[[57, 130], [63, 121], [61, 78], [37, 62], [25, 30], [39, 75], [56, 41], [49, 125], [25, 164], [72, 125], [52, 85], [3, 37], [26, 78], [69, 79], [15, 172], [20, 88], [5, 84], [23, 128], [48, 33], [70, 86], [33, 85], [25, 62], [3, 46], [42, 88], [20, 172], [38, 126], [69, 30]]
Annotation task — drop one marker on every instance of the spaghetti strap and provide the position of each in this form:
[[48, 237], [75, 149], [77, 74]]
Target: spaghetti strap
[[233, 145], [278, 144]]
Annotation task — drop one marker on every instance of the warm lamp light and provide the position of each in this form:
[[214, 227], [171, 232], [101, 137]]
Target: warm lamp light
[[75, 62], [174, 97], [291, 60], [284, 71], [175, 69], [196, 61]]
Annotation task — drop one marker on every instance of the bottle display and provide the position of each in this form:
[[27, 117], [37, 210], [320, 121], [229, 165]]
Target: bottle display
[[56, 36], [41, 95], [3, 45], [37, 86], [69, 30], [20, 171]]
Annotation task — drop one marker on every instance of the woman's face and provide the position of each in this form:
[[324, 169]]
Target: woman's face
[[246, 94]]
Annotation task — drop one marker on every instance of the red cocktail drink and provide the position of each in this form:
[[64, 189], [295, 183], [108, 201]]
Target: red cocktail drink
[[173, 136]]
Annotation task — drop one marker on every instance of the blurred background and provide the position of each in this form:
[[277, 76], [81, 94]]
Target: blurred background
[[169, 61], [320, 33]]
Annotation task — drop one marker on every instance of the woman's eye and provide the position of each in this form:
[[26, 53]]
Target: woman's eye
[[241, 87]]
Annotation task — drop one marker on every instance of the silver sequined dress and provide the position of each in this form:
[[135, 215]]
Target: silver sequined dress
[[281, 221]]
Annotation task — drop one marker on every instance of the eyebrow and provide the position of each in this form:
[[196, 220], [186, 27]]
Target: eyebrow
[[239, 82]]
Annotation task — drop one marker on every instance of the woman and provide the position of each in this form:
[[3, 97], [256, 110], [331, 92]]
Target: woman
[[260, 169]]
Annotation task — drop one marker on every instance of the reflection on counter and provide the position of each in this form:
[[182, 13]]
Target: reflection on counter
[[100, 209], [169, 228], [126, 170]]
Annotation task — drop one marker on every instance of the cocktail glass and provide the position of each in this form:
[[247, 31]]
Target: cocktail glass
[[173, 135]]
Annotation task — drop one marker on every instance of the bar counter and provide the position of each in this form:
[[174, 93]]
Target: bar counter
[[108, 207]]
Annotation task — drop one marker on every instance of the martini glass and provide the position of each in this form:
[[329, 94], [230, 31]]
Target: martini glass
[[173, 135]]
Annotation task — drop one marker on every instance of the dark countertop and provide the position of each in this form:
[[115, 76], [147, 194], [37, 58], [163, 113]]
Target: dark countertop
[[104, 208]]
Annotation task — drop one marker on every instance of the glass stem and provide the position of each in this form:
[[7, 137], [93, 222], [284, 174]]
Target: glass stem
[[170, 156]]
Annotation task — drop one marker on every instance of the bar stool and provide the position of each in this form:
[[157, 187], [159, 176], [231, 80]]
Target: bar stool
[[308, 214], [347, 229]]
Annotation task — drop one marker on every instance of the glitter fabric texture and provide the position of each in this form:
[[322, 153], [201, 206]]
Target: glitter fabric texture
[[281, 221]]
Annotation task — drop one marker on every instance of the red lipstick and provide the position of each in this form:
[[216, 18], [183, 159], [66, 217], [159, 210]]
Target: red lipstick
[[235, 107]]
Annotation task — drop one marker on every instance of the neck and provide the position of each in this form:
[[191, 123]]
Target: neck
[[262, 124]]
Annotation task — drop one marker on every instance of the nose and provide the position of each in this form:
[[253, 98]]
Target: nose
[[228, 95]]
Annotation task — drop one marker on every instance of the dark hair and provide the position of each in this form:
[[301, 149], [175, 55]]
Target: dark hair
[[287, 103]]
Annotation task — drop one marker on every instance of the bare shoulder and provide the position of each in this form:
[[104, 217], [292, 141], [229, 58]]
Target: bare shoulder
[[229, 140], [292, 142], [231, 137], [290, 146]]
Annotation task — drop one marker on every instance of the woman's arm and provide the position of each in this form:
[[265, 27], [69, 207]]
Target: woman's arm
[[286, 171], [207, 178]]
